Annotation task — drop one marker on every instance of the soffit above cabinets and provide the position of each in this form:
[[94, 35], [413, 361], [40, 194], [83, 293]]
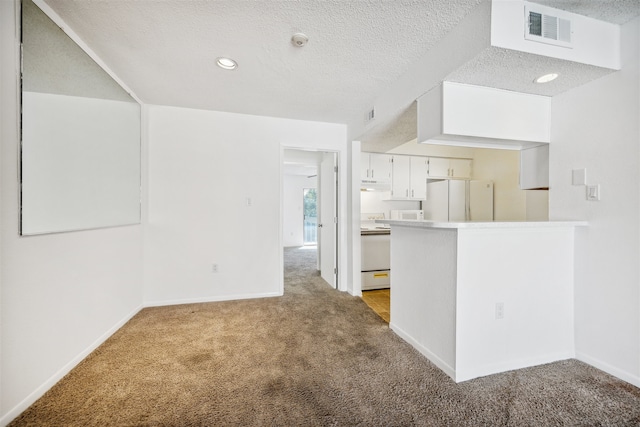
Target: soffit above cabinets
[[510, 62], [475, 116]]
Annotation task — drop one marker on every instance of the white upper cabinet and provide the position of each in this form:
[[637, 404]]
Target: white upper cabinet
[[380, 166], [460, 168], [418, 170], [375, 167], [409, 178], [401, 180], [439, 167]]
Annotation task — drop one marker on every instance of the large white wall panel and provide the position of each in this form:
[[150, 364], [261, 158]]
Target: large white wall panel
[[61, 294], [80, 163], [596, 127], [203, 167]]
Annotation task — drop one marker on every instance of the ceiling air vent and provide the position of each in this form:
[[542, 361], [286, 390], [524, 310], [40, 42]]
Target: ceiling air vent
[[369, 115], [547, 28]]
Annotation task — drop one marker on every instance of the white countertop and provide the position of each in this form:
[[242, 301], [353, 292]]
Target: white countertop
[[486, 224]]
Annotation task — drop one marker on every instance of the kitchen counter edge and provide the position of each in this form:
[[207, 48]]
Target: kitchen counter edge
[[483, 224]]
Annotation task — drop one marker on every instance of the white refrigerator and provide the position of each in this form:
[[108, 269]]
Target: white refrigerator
[[459, 200]]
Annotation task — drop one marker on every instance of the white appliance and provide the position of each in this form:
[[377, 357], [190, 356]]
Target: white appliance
[[459, 200], [375, 252], [409, 214]]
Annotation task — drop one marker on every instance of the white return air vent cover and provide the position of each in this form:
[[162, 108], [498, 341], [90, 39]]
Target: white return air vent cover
[[551, 28]]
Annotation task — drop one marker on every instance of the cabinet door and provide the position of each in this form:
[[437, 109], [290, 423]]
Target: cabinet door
[[380, 165], [364, 166], [418, 169], [400, 177], [460, 168], [438, 167]]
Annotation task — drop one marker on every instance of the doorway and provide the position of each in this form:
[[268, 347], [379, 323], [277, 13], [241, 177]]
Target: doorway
[[311, 221]]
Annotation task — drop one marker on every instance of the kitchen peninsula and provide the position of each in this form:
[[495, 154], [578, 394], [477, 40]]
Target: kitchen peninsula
[[478, 298]]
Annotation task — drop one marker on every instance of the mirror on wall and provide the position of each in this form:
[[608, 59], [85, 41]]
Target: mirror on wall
[[80, 149]]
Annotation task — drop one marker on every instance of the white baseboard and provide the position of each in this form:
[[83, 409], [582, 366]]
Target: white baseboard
[[510, 365], [445, 367], [42, 389], [161, 303], [460, 375], [609, 369]]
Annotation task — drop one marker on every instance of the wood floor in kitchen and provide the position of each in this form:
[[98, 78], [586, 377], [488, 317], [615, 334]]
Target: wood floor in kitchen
[[379, 301]]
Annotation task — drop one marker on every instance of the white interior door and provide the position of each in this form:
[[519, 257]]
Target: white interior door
[[327, 222]]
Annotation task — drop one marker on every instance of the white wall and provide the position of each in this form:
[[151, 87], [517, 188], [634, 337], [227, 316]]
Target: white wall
[[203, 166], [62, 294], [596, 127], [293, 208]]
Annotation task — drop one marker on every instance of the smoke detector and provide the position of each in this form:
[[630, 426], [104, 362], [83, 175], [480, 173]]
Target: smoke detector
[[299, 39]]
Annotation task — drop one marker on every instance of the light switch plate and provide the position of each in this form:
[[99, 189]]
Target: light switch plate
[[593, 193], [579, 177]]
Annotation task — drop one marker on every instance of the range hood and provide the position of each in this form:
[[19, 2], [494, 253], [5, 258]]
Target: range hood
[[482, 117], [375, 185]]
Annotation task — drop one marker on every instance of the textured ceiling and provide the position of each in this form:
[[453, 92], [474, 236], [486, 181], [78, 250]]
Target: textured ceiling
[[517, 70], [165, 50], [53, 63]]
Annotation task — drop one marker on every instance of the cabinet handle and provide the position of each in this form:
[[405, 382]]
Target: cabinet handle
[[411, 193], [372, 170], [407, 193]]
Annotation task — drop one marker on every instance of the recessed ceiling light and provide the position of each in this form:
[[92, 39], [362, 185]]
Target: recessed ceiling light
[[546, 78], [226, 63]]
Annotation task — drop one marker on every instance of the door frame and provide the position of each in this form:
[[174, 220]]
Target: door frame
[[341, 226], [335, 180]]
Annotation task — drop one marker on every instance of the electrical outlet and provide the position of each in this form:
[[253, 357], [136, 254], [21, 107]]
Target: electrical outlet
[[214, 268], [499, 310]]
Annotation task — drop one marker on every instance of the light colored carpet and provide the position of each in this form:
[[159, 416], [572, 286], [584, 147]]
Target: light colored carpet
[[315, 357]]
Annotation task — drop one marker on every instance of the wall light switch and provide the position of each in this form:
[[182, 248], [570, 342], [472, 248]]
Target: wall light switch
[[579, 177], [593, 193]]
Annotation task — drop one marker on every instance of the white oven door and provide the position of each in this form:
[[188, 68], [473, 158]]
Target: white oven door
[[376, 252]]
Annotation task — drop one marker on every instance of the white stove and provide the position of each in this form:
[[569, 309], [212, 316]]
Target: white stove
[[375, 252], [368, 224]]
